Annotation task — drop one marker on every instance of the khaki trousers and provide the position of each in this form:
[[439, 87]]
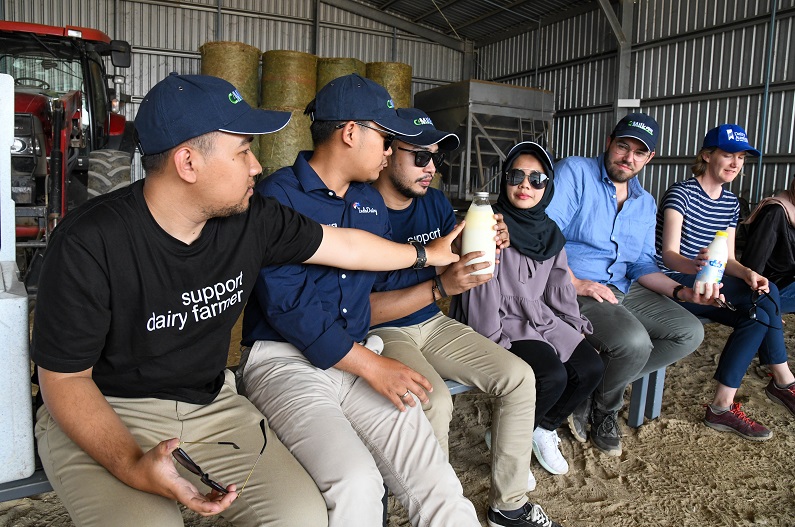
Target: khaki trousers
[[442, 348], [279, 493], [352, 440]]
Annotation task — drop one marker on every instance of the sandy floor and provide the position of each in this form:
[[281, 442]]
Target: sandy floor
[[674, 471]]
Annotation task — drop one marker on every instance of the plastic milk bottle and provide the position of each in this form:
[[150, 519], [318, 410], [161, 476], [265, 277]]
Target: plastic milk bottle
[[717, 254], [478, 233]]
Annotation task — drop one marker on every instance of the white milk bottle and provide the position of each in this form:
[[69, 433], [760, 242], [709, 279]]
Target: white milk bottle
[[479, 233], [717, 256]]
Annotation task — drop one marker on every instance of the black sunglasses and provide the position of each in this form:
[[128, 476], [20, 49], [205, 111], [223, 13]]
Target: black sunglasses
[[184, 459], [389, 138], [756, 297], [538, 180], [423, 157]]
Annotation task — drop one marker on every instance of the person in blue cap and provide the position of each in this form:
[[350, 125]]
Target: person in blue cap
[[416, 332], [349, 415], [608, 220], [139, 291], [691, 212]]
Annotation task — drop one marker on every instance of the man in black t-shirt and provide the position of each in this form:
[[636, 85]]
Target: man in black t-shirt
[[139, 291]]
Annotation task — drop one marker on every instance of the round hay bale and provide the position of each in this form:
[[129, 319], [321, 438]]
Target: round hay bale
[[235, 62], [280, 149], [395, 77], [289, 79], [329, 68]]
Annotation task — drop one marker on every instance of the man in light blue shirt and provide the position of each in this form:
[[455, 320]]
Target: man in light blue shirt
[[608, 220]]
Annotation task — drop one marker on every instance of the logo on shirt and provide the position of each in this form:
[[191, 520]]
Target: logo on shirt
[[425, 237], [642, 126], [364, 209]]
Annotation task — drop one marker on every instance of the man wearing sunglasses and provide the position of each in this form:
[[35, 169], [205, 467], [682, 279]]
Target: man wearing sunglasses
[[349, 415], [415, 332], [139, 291], [609, 222]]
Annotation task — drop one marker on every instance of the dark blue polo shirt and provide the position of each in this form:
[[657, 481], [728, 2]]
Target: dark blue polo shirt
[[320, 310]]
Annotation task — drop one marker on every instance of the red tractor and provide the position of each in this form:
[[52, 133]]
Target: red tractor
[[70, 143]]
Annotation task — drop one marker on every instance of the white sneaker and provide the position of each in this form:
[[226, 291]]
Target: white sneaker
[[545, 448], [531, 479]]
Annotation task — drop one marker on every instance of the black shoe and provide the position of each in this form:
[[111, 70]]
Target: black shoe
[[532, 516], [578, 421], [605, 434]]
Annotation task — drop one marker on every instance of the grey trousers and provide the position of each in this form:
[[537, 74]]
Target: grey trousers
[[644, 332]]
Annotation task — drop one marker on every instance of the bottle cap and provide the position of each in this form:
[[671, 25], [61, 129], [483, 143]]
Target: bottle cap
[[482, 194]]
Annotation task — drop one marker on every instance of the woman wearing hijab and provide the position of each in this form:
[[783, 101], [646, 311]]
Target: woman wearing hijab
[[770, 249], [530, 305]]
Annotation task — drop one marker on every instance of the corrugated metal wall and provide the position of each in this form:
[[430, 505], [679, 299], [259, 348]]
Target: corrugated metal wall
[[695, 64], [166, 35]]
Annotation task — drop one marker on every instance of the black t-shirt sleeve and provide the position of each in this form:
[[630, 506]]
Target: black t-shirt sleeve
[[290, 237], [72, 313]]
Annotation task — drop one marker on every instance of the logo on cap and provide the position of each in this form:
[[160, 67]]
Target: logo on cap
[[390, 104], [235, 97], [419, 121], [642, 126]]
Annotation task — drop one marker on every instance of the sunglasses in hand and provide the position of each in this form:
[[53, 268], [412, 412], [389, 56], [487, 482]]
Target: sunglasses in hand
[[184, 459]]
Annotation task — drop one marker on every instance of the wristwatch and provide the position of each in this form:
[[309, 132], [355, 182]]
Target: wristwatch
[[677, 290], [422, 258]]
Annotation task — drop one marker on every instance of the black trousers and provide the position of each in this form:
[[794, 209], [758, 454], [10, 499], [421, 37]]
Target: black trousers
[[560, 386]]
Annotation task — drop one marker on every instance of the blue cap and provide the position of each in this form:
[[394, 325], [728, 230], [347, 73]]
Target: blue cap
[[639, 126], [354, 98], [729, 138], [181, 107], [428, 134]]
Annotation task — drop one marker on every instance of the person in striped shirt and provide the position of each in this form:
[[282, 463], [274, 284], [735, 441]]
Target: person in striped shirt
[[690, 214]]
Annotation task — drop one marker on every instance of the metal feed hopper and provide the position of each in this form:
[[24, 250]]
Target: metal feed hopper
[[489, 117]]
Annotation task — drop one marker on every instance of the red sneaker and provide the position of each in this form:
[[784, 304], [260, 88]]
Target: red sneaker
[[783, 396], [735, 420]]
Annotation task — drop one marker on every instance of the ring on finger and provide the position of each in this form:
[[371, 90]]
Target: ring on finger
[[405, 394]]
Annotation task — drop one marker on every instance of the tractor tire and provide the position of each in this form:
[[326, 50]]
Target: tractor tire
[[107, 171]]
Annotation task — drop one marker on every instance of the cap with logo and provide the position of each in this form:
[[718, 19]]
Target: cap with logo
[[355, 98], [428, 134], [639, 126], [729, 138], [534, 149], [181, 107]]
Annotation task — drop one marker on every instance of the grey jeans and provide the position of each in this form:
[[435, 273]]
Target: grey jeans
[[644, 332]]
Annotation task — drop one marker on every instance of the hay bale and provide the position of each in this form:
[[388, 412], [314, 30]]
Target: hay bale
[[289, 79], [329, 68], [234, 62], [280, 149], [395, 77]]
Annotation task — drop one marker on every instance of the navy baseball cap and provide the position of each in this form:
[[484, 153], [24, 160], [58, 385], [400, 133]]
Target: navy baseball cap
[[639, 126], [729, 138], [355, 98], [181, 107], [534, 149], [428, 134]]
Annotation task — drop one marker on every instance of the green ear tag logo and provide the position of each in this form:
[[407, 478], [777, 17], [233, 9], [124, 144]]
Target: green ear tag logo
[[235, 97]]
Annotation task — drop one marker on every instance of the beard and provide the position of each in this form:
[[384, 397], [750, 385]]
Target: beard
[[406, 190], [223, 212], [616, 174]]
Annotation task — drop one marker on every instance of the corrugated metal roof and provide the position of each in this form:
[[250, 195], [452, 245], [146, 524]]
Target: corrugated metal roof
[[476, 20]]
